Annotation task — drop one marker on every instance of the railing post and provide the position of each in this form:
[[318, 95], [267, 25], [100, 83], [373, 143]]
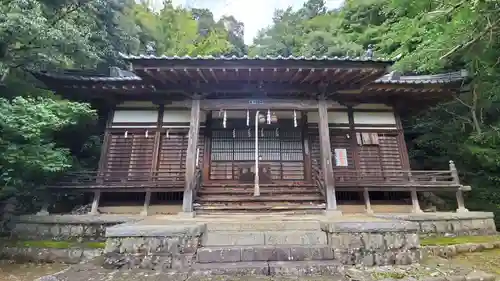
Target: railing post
[[459, 194], [368, 205], [414, 201], [145, 208], [454, 173], [95, 203], [44, 211]]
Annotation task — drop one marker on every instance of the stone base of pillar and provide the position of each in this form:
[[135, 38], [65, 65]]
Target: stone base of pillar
[[42, 213], [462, 210], [417, 211], [144, 213], [186, 214], [369, 211], [333, 213]]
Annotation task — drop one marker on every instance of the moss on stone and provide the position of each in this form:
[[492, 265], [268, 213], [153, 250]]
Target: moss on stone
[[54, 244], [443, 241], [388, 275]]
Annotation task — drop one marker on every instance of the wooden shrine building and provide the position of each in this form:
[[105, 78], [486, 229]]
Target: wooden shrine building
[[258, 134]]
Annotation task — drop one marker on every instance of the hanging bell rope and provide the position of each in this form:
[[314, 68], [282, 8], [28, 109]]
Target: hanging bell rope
[[295, 119], [248, 119], [224, 119], [126, 134], [268, 116]]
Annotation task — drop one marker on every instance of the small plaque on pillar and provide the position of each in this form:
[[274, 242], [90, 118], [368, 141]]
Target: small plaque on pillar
[[341, 157]]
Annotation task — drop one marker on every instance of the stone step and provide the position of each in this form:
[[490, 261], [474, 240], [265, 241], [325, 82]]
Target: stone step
[[261, 207], [263, 191], [262, 185], [279, 268], [273, 225], [261, 238], [264, 253], [241, 198]]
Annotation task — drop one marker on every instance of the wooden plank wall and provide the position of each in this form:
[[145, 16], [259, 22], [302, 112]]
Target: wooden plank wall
[[143, 150], [385, 154]]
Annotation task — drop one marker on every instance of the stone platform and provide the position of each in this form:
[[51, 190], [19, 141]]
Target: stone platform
[[259, 244], [446, 224]]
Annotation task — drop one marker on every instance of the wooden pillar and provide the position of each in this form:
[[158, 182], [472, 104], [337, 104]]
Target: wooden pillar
[[95, 203], [403, 149], [352, 139], [326, 156], [307, 147], [194, 129], [103, 158], [147, 200], [207, 148], [368, 204], [157, 143]]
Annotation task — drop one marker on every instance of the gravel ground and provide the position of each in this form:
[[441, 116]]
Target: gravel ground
[[433, 269], [27, 272]]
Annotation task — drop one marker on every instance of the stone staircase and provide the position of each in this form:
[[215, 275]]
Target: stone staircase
[[238, 198], [266, 248]]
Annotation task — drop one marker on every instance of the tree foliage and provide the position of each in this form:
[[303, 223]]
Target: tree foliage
[[42, 135]]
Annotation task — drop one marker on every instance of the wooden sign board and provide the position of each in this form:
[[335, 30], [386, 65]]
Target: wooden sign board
[[341, 157]]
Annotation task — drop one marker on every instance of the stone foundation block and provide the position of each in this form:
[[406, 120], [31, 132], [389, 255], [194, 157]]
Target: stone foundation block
[[265, 253], [214, 255], [304, 268], [231, 269], [233, 239], [295, 238]]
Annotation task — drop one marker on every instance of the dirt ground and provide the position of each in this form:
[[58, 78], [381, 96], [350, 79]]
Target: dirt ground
[[488, 261]]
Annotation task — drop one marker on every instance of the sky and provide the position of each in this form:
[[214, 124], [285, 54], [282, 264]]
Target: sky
[[255, 14]]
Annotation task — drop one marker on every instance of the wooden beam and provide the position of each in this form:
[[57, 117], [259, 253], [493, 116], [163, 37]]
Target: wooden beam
[[264, 104], [353, 140], [194, 129], [326, 155]]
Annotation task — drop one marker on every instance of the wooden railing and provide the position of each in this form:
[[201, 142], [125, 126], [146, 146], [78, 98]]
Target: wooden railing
[[196, 183], [395, 178], [121, 179], [389, 178], [317, 177]]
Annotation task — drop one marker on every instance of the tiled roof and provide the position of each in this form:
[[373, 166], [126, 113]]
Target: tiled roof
[[261, 58], [70, 77], [391, 78], [395, 78]]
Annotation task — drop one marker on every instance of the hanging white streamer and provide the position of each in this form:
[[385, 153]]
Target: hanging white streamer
[[268, 116], [126, 134], [262, 132], [248, 118], [224, 120], [295, 118], [234, 133], [168, 134], [249, 133], [146, 134], [277, 132]]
